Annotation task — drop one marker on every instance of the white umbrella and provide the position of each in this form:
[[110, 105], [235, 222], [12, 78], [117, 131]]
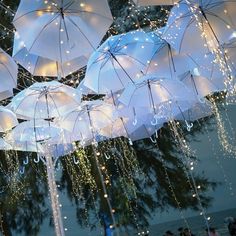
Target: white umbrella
[[35, 131], [118, 61], [202, 86], [8, 119], [196, 112], [86, 121], [166, 61], [41, 66], [145, 131], [45, 100], [199, 27], [62, 30], [152, 91], [154, 2], [8, 74]]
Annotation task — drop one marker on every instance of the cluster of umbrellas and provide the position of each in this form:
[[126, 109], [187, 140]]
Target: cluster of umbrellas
[[146, 79]]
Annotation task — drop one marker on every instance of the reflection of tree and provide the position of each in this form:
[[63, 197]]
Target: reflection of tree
[[22, 199], [139, 180]]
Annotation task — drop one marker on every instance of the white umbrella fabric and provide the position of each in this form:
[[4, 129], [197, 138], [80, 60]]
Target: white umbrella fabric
[[41, 66], [8, 74], [8, 119], [45, 100], [118, 61], [62, 30]]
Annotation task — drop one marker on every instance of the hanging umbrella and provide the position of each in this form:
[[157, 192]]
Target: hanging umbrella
[[8, 74], [152, 91], [206, 24], [118, 61], [62, 30], [41, 66], [196, 112], [35, 131], [86, 121], [166, 61], [202, 86], [154, 2], [45, 100], [8, 119], [145, 131]]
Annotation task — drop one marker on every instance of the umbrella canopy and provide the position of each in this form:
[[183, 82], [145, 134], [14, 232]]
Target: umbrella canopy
[[196, 112], [8, 73], [35, 131], [62, 30], [202, 86], [145, 131], [118, 61], [166, 61], [41, 66], [152, 91], [154, 2], [206, 24], [8, 119], [45, 100], [86, 121]]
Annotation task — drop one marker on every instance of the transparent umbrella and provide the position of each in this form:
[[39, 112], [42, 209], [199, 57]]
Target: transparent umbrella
[[62, 30], [45, 100], [41, 66], [206, 24], [155, 2], [118, 61]]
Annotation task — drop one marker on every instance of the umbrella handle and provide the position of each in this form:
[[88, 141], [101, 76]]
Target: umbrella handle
[[135, 121], [76, 162], [156, 134], [107, 156], [201, 99], [130, 142], [155, 120], [22, 170], [26, 161], [37, 160], [153, 140], [189, 125]]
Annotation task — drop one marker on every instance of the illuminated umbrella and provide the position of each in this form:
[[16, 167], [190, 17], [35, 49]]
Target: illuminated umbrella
[[45, 100], [202, 86], [206, 24], [8, 119], [41, 66], [8, 74], [154, 2], [196, 112], [62, 30], [86, 121], [118, 61]]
